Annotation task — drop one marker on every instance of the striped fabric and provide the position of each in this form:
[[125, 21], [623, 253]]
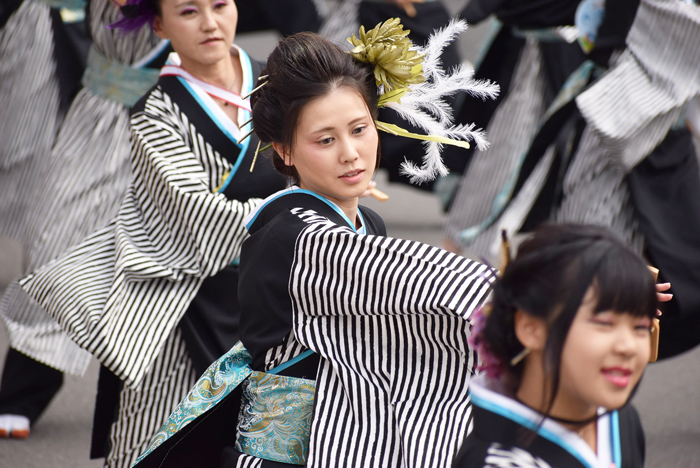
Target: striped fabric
[[390, 318], [288, 350], [82, 182], [143, 410], [340, 20], [120, 293], [634, 105], [29, 112], [510, 132], [628, 112], [247, 461], [596, 192]]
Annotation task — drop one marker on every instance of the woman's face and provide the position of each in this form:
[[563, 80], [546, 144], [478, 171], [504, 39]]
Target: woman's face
[[200, 31], [335, 146], [604, 356]]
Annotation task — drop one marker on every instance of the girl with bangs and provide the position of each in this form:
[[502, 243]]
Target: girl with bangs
[[563, 345]]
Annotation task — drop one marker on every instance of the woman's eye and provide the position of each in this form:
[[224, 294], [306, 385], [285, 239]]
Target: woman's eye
[[326, 141], [218, 5], [188, 11], [359, 130], [606, 323]]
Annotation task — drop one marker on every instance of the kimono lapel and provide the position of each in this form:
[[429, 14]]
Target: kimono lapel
[[554, 443], [216, 128], [287, 198]]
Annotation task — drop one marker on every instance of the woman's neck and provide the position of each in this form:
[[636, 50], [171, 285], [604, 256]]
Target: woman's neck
[[575, 415], [226, 73], [349, 207]]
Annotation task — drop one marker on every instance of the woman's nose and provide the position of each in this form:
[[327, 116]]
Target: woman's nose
[[349, 151]]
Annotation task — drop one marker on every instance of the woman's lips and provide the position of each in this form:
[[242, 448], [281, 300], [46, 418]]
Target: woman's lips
[[352, 177], [211, 40], [618, 376]]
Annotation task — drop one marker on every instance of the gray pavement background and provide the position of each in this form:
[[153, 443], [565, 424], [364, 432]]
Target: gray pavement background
[[668, 399]]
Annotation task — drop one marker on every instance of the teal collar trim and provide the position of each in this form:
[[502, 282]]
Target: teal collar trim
[[247, 87], [615, 437], [291, 362], [294, 189], [530, 424]]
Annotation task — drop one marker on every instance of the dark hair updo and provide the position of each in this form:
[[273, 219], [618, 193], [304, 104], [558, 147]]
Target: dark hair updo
[[303, 67], [549, 279]]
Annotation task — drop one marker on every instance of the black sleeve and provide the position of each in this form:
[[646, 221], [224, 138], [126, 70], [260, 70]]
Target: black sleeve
[[632, 443], [266, 308], [472, 454]]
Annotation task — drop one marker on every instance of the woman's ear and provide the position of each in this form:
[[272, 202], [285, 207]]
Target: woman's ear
[[531, 331], [284, 153], [158, 28]]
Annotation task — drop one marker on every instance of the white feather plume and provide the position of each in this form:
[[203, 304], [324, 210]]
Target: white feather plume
[[425, 106]]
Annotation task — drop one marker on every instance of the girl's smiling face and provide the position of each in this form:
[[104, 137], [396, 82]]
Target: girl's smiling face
[[200, 31], [335, 147], [603, 358]]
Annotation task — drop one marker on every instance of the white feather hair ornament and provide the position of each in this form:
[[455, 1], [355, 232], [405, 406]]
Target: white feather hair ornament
[[411, 81]]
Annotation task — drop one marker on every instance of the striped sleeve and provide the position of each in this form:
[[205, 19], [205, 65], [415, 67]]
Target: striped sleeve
[[391, 319], [120, 292], [635, 104]]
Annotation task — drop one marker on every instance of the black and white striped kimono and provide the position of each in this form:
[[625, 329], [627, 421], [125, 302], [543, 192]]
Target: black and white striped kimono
[[616, 153], [387, 319], [165, 260], [81, 180]]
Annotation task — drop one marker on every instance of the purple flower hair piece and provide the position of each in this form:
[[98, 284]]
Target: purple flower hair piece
[[488, 363], [137, 13]]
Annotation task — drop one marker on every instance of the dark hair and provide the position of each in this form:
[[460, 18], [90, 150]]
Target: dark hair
[[549, 278], [303, 67], [136, 14]]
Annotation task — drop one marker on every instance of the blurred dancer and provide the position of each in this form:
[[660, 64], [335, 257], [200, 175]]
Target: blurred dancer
[[530, 54], [162, 302], [43, 48], [613, 149]]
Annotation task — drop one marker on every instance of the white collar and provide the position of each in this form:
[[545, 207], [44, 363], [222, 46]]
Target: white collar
[[486, 394]]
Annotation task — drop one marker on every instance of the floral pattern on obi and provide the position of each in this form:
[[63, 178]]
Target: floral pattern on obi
[[275, 419], [217, 382]]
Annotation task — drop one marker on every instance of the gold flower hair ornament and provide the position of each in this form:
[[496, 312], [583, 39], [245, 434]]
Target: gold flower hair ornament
[[396, 61], [415, 86]]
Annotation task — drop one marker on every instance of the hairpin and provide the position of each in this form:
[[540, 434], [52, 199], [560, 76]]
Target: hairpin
[[255, 89], [245, 136], [257, 150], [246, 122], [505, 250]]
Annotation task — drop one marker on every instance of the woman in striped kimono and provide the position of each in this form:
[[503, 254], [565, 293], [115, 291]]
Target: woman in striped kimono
[[153, 294], [80, 184], [353, 345], [42, 56]]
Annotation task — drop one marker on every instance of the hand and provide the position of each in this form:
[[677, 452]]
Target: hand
[[367, 193], [407, 5], [661, 296], [119, 3]]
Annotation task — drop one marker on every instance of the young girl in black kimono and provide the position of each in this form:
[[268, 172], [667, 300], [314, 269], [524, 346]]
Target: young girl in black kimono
[[563, 344]]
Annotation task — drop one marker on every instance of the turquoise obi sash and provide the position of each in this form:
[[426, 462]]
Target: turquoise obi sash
[[276, 411], [275, 419], [117, 81]]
